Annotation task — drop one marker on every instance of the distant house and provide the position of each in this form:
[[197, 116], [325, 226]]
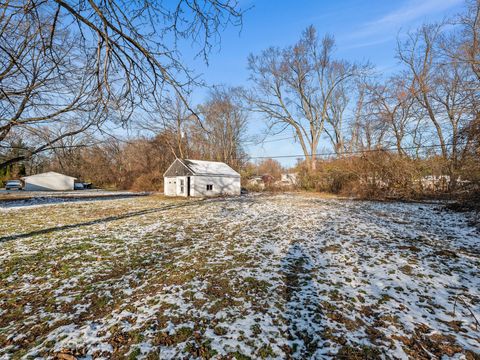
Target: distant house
[[288, 180], [436, 183], [200, 178], [257, 182], [261, 181], [441, 182], [49, 181]]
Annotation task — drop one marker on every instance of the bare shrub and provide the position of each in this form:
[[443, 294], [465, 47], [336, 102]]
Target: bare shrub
[[380, 175], [333, 176], [150, 181]]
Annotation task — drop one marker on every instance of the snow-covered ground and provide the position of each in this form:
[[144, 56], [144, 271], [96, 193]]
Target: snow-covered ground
[[284, 276], [26, 199]]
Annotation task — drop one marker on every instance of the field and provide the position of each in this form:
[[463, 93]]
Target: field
[[259, 276]]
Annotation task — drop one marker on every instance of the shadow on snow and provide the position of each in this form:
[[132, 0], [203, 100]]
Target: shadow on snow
[[303, 308]]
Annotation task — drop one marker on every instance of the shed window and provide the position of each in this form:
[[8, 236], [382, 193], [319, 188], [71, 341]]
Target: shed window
[[182, 185], [209, 187]]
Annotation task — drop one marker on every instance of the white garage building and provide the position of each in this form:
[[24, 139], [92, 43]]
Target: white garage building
[[49, 181], [200, 178]]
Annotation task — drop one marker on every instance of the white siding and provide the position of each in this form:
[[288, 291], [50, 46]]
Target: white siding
[[172, 186], [222, 185], [207, 178], [169, 186], [182, 186], [48, 182]]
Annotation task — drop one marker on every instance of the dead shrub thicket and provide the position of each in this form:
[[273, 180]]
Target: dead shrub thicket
[[383, 175]]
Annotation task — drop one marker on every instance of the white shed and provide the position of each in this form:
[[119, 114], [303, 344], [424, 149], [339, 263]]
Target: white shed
[[48, 181], [200, 178]]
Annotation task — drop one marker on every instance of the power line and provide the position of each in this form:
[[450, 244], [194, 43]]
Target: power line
[[292, 137], [355, 152], [268, 141]]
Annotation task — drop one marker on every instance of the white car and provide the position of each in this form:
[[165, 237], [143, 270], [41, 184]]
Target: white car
[[13, 185]]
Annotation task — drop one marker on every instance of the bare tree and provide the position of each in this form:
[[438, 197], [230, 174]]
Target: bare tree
[[294, 87], [419, 53], [464, 45], [438, 85], [335, 120], [219, 136], [81, 62], [135, 43], [353, 142], [224, 128], [392, 103], [370, 132], [47, 93], [172, 119]]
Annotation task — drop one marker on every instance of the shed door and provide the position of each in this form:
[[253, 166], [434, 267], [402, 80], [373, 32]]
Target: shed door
[[170, 187]]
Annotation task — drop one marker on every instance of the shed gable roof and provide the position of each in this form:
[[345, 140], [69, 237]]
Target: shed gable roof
[[200, 167], [177, 168]]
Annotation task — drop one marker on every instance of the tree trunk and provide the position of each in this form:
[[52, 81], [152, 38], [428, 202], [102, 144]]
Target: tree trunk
[[313, 163]]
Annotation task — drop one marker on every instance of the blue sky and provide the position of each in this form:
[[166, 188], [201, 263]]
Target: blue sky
[[364, 30]]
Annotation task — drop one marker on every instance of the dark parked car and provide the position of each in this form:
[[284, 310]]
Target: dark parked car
[[82, 186], [13, 185], [78, 186], [87, 185]]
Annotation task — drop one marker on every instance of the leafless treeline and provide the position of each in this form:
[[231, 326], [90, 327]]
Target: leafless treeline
[[171, 132], [69, 66], [431, 103], [219, 135], [70, 69]]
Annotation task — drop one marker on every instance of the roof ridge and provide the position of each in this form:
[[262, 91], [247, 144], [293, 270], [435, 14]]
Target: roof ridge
[[220, 162], [205, 167], [48, 172]]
